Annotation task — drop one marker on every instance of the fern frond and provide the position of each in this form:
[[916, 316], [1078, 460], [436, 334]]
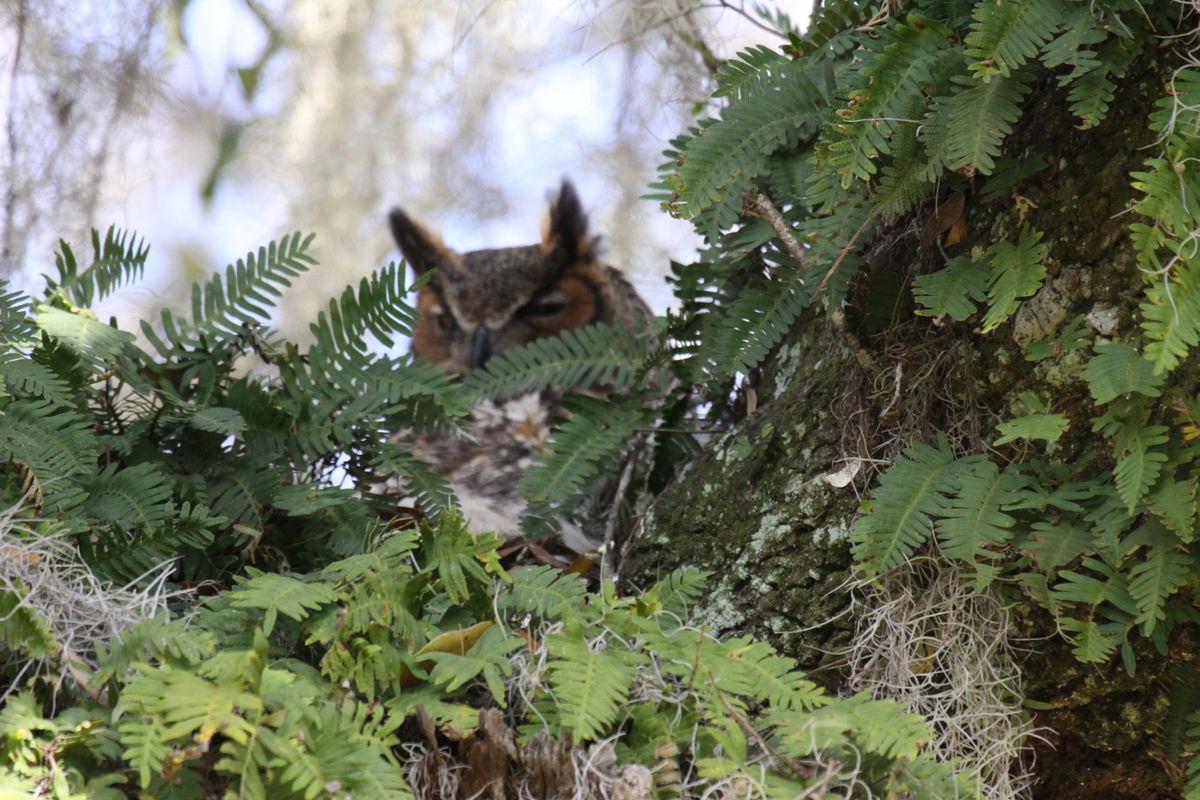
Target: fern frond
[[750, 72], [755, 670], [717, 167], [430, 490], [1006, 34], [577, 449], [591, 683], [125, 556], [1057, 544], [1139, 463], [1117, 369], [1174, 503], [1171, 314], [276, 594], [224, 304], [1163, 569], [379, 308], [887, 94], [974, 519], [574, 359], [136, 496], [1073, 47], [1016, 271], [745, 332], [1092, 92], [899, 515], [53, 442], [831, 21], [952, 290], [970, 126], [99, 343], [23, 629], [544, 590], [21, 373], [119, 260], [16, 324], [1091, 644]]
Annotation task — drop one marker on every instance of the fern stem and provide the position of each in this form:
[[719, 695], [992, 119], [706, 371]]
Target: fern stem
[[760, 205]]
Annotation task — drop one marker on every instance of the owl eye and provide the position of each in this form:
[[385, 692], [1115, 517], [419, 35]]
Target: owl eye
[[445, 322], [544, 308]]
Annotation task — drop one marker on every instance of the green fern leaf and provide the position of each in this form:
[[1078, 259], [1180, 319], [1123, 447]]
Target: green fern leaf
[[574, 359], [1017, 271], [1111, 586], [1041, 427], [223, 306], [1156, 577], [280, 594], [488, 658], [1117, 369], [1091, 645], [750, 72], [830, 22], [900, 514], [1093, 91], [131, 497], [126, 555], [545, 591], [887, 85], [92, 339], [378, 308], [22, 629], [973, 519], [145, 746], [1171, 316], [1138, 463], [1007, 33], [952, 290], [753, 325], [719, 165], [577, 450], [970, 126], [1175, 503], [682, 589], [119, 260], [430, 490], [53, 442], [1056, 544], [455, 555], [216, 419], [21, 373], [755, 670], [1073, 47], [591, 685], [16, 325]]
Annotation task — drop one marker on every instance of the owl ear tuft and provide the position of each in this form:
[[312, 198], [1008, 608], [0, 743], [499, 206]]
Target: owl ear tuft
[[566, 236], [421, 248]]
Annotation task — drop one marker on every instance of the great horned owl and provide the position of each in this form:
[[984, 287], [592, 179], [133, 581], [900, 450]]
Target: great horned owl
[[480, 303]]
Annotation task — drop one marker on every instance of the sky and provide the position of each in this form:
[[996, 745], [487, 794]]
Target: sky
[[549, 125]]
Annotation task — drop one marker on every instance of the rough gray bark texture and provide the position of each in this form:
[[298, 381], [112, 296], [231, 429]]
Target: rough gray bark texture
[[755, 508]]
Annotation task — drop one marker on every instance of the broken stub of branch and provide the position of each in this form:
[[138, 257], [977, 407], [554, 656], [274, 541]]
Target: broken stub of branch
[[761, 206]]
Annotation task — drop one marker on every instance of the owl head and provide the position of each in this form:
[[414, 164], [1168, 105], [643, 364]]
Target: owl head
[[480, 303]]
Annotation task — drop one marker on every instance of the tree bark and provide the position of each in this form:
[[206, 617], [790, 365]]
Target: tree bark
[[758, 508]]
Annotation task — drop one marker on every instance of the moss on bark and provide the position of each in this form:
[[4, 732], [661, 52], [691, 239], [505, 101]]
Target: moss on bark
[[756, 510]]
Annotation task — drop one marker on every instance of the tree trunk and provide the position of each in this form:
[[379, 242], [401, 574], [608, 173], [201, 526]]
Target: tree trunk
[[760, 508]]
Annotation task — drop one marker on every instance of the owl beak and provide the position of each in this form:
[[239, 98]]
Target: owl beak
[[481, 346]]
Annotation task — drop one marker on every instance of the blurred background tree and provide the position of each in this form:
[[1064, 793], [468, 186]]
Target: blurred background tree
[[212, 126]]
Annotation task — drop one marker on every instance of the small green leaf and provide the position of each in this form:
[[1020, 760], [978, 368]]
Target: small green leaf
[[1046, 427], [1117, 369], [1017, 271], [217, 419], [952, 290]]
